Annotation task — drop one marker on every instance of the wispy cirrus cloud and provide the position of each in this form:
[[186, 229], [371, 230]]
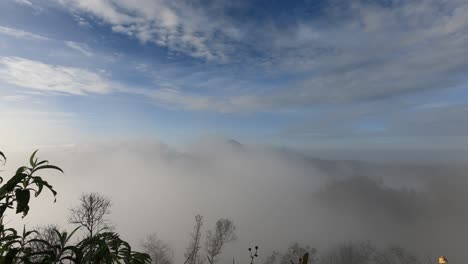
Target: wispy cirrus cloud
[[37, 75], [80, 47], [13, 98], [18, 33], [23, 2], [180, 26], [346, 52]]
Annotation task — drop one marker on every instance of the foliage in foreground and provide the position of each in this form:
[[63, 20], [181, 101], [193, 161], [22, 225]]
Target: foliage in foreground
[[29, 247]]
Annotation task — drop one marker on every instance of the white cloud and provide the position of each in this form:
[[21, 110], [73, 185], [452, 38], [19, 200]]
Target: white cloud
[[29, 4], [179, 26], [350, 52], [81, 21], [370, 52], [23, 2], [51, 78], [17, 33], [14, 98], [80, 47]]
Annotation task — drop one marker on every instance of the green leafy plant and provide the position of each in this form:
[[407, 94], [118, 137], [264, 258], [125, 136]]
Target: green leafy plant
[[17, 191], [16, 194], [30, 248], [57, 252], [107, 247]]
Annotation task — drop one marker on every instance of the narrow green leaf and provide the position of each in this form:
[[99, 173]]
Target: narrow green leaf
[[3, 157], [31, 159], [42, 162], [47, 167]]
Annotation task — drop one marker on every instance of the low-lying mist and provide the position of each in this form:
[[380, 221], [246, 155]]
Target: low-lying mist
[[274, 196]]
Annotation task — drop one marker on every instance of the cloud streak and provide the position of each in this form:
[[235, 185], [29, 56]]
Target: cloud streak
[[18, 33], [44, 77], [80, 47]]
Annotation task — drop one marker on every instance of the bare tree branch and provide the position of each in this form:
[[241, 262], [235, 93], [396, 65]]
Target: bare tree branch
[[160, 252], [191, 253], [215, 240], [91, 213]]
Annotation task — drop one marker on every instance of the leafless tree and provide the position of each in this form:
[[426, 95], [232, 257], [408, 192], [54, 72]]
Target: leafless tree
[[358, 252], [91, 213], [215, 240], [47, 233], [396, 255], [160, 252], [403, 255], [191, 254]]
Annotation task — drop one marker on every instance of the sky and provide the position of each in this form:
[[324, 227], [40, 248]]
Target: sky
[[355, 76], [342, 119]]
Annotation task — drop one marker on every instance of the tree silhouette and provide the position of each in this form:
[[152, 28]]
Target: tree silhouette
[[191, 254], [91, 213], [160, 252], [215, 240]]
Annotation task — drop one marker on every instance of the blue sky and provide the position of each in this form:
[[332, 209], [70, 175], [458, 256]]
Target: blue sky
[[307, 74]]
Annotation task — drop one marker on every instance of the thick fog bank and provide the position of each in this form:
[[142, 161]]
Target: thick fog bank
[[275, 197]]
